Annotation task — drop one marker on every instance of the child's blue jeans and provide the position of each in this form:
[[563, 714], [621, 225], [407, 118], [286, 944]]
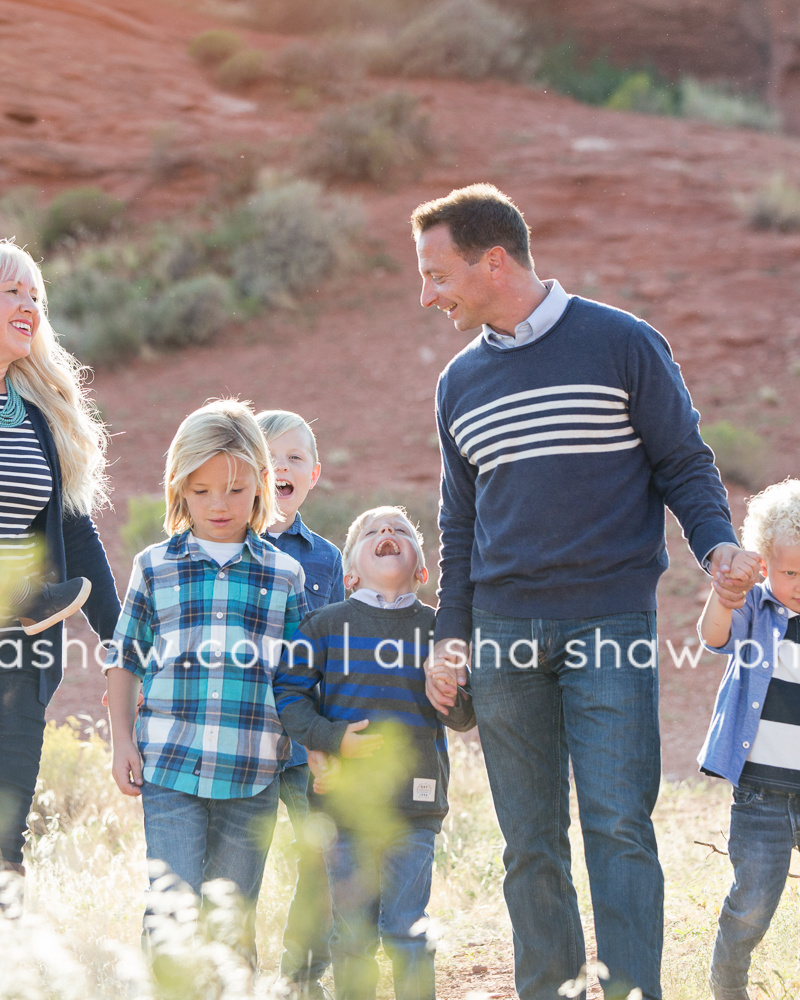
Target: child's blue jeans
[[765, 825], [379, 894], [202, 839]]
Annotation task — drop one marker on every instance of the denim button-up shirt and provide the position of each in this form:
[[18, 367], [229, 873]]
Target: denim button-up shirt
[[757, 629], [322, 565]]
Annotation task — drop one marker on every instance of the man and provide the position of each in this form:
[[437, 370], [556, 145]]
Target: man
[[565, 429]]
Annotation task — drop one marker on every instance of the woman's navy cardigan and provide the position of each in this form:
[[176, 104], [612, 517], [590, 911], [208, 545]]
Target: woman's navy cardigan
[[73, 549]]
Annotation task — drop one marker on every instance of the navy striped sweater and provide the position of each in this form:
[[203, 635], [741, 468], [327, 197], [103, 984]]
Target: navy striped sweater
[[350, 661], [558, 459]]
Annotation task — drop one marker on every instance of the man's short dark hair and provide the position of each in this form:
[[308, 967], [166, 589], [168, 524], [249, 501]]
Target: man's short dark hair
[[478, 218]]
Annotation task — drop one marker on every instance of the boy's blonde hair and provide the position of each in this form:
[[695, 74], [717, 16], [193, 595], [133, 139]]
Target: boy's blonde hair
[[227, 427], [276, 422], [364, 519], [53, 380], [773, 518]]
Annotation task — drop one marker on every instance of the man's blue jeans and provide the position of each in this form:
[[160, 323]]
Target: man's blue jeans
[[546, 692], [202, 839], [379, 894], [765, 825]]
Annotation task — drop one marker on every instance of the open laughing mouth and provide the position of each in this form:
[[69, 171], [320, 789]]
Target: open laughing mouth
[[387, 547], [284, 488]]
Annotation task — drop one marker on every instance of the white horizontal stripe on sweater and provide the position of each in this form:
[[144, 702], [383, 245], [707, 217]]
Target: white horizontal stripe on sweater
[[551, 390], [569, 449], [575, 418], [553, 436]]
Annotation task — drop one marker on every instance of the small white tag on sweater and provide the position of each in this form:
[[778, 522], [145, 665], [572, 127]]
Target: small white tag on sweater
[[424, 789]]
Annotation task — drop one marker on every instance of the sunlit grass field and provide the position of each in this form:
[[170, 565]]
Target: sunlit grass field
[[79, 937]]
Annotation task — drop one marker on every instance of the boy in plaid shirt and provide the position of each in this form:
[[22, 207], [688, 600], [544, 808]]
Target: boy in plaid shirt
[[201, 632]]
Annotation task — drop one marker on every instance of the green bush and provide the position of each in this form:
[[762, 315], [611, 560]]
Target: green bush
[[102, 317], [80, 213], [241, 70], [716, 104], [21, 217], [189, 312], [145, 523], [284, 240], [212, 47], [379, 141], [740, 454], [641, 92], [593, 82], [469, 39], [775, 206]]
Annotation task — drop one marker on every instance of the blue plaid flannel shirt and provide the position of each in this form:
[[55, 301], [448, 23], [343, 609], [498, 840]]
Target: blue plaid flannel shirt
[[205, 640]]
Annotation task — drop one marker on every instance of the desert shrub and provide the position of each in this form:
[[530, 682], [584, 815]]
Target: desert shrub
[[775, 206], [212, 47], [192, 311], [642, 92], [75, 787], [591, 81], [469, 39], [283, 240], [145, 523], [80, 213], [716, 104], [21, 217], [740, 454], [241, 70], [378, 140], [321, 66], [101, 316]]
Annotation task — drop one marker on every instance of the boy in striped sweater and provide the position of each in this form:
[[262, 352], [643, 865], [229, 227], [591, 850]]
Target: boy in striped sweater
[[351, 689], [754, 735]]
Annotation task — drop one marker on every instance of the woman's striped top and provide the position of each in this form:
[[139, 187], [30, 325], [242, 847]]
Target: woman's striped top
[[26, 484]]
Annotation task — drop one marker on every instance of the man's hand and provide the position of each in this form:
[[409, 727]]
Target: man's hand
[[734, 572], [326, 769], [353, 745], [445, 670], [126, 767]]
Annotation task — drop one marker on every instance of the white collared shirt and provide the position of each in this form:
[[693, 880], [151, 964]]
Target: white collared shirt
[[543, 318], [376, 600]]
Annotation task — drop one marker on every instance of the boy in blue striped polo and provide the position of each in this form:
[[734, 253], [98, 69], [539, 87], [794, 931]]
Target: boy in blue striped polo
[[351, 684], [754, 737], [201, 632]]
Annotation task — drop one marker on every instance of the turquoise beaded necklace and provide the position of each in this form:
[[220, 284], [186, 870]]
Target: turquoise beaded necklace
[[13, 413]]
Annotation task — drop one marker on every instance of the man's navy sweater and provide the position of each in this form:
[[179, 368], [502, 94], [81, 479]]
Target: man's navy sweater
[[366, 663], [558, 460]]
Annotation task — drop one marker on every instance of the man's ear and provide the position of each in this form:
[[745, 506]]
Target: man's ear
[[764, 568], [496, 259], [351, 580], [315, 475], [421, 576]]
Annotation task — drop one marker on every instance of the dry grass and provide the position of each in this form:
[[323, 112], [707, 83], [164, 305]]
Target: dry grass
[[87, 876]]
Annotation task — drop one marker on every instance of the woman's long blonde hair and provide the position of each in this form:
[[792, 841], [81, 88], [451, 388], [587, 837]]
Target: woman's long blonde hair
[[53, 380]]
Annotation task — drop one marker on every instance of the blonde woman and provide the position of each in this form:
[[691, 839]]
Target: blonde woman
[[52, 461]]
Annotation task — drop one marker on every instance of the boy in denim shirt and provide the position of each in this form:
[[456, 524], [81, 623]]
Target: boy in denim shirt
[[293, 449], [754, 733]]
